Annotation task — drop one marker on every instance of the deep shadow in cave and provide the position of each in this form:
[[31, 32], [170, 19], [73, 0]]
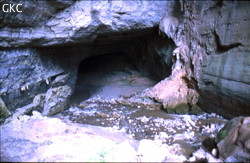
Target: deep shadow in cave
[[110, 76], [121, 65]]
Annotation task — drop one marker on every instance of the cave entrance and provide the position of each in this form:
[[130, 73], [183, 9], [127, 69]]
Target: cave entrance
[[123, 64], [114, 72], [109, 76]]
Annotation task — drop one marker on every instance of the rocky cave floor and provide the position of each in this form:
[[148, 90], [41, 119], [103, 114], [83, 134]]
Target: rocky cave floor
[[101, 124]]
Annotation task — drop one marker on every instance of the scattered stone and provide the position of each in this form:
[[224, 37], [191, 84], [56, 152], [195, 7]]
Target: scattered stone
[[144, 119], [102, 115], [215, 152], [24, 118], [116, 115], [82, 105], [20, 112]]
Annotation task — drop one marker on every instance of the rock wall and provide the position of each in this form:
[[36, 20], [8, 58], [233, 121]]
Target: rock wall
[[219, 40], [212, 56], [28, 72]]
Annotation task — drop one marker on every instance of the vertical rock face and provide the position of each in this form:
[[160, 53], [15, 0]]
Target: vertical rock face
[[212, 56], [219, 41], [4, 112]]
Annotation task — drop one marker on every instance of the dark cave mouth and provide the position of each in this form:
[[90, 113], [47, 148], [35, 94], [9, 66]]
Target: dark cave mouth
[[111, 75], [122, 64]]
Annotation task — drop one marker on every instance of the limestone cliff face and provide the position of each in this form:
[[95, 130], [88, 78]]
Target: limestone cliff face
[[206, 44], [212, 55], [218, 37]]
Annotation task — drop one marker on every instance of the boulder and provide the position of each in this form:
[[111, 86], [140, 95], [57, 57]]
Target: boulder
[[56, 100], [38, 102], [233, 140], [202, 156], [174, 93]]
